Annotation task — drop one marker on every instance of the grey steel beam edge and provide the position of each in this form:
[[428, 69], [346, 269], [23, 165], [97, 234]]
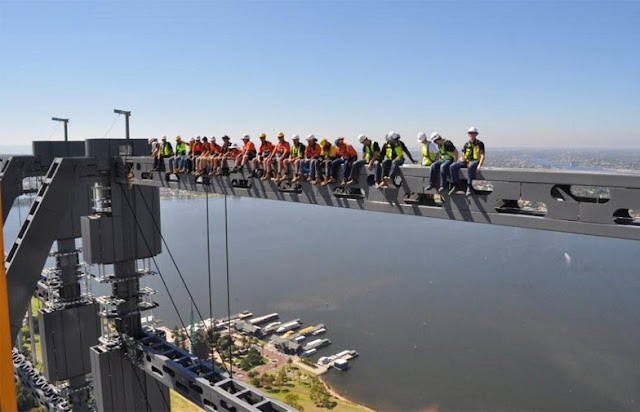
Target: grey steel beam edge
[[28, 253], [13, 170], [500, 201]]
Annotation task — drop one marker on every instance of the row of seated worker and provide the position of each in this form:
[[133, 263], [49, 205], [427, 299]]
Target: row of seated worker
[[321, 162]]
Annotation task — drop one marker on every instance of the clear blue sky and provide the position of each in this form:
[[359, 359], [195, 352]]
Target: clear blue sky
[[525, 73]]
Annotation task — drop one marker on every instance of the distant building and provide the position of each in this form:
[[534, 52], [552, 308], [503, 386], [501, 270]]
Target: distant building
[[285, 345], [247, 328]]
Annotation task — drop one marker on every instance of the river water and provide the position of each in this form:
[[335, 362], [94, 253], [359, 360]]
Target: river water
[[446, 315]]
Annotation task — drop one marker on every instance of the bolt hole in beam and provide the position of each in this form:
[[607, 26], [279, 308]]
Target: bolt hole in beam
[[270, 407], [629, 217], [231, 387], [583, 194], [241, 183], [348, 192], [181, 388], [227, 407], [521, 207], [208, 405]]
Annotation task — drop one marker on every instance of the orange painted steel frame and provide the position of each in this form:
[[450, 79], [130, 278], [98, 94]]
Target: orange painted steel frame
[[8, 397]]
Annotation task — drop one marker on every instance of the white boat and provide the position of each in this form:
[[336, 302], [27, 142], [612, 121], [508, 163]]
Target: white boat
[[308, 352], [318, 331], [285, 327]]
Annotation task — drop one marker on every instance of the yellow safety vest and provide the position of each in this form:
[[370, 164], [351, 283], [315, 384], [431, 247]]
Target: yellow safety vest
[[444, 154], [296, 150], [397, 149], [472, 150], [428, 156]]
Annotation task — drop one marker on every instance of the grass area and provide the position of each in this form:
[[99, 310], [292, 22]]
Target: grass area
[[180, 404]]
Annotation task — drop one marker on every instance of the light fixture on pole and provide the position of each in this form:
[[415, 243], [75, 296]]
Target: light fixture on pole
[[65, 121], [126, 119]]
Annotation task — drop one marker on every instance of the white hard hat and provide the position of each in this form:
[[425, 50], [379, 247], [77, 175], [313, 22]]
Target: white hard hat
[[396, 136], [389, 136], [435, 136], [472, 130], [234, 146], [245, 137], [295, 137], [311, 137], [422, 137], [152, 139], [212, 139], [362, 138], [193, 139]]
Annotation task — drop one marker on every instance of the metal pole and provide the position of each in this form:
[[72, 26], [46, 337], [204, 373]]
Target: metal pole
[[66, 135], [8, 396], [126, 114]]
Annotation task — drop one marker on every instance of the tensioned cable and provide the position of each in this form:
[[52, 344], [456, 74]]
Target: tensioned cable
[[209, 272], [155, 263], [55, 128], [226, 251], [184, 283], [111, 127]]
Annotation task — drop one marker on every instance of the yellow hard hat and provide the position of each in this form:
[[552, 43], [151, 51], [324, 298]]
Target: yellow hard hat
[[280, 134], [323, 141], [262, 135], [178, 137]]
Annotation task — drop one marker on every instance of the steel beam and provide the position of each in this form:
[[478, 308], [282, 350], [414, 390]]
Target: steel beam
[[498, 202]]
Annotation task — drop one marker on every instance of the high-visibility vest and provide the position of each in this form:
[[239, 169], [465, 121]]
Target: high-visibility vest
[[166, 149], [472, 150], [444, 154], [181, 148], [368, 152], [428, 156], [390, 150], [297, 150]]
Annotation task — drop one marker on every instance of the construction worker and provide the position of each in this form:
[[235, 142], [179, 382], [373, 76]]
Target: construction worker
[[248, 152], [279, 153], [217, 160], [328, 153], [428, 149], [296, 155], [175, 161], [207, 153], [154, 148], [195, 155], [266, 147], [185, 167], [472, 159], [448, 153], [370, 157], [165, 151], [346, 156], [311, 153], [394, 151], [232, 154]]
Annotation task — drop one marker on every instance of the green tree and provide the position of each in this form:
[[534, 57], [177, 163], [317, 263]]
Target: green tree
[[281, 378], [294, 400], [251, 359], [267, 380]]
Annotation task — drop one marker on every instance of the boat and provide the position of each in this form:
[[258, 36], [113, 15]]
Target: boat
[[318, 343], [288, 334], [341, 364], [308, 353], [318, 332], [244, 314], [324, 360], [299, 338], [287, 326], [264, 319], [271, 327]]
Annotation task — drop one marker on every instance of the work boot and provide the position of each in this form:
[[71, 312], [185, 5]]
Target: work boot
[[351, 181], [453, 190], [429, 187], [264, 178], [381, 184], [468, 192], [310, 179], [344, 182], [387, 181]]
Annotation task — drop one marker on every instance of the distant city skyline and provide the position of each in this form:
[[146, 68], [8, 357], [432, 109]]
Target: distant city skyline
[[527, 74]]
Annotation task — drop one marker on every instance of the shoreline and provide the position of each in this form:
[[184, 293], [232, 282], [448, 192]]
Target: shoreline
[[336, 395]]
